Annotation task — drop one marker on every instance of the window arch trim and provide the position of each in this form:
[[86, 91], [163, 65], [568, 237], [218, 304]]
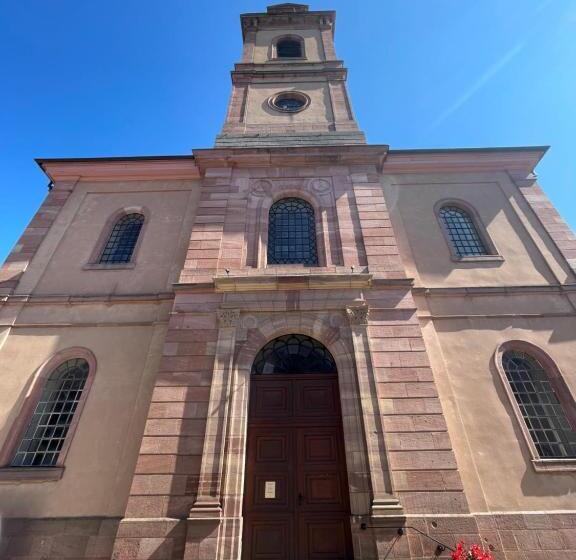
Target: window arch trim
[[561, 389], [318, 228], [328, 244], [291, 37], [22, 421], [492, 253], [104, 236]]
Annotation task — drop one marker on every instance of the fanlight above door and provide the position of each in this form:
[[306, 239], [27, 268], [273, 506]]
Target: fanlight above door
[[294, 353]]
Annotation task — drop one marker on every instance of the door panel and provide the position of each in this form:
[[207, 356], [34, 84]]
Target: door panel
[[269, 538], [315, 397], [324, 538], [321, 469], [296, 504], [271, 398]]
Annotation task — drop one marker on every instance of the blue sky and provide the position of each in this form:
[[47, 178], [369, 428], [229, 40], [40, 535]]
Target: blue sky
[[149, 77]]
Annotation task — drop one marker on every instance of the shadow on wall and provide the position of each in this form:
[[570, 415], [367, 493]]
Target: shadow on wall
[[428, 244], [563, 334], [532, 483], [537, 225], [6, 432], [57, 538]]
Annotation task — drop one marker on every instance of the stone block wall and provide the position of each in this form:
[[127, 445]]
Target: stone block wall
[[29, 242], [89, 538]]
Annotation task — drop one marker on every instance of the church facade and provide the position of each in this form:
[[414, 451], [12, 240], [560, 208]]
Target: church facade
[[293, 345]]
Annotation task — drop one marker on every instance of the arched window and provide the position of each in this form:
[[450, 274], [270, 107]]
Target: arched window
[[537, 400], [120, 245], [294, 353], [289, 47], [292, 233], [48, 427], [462, 232]]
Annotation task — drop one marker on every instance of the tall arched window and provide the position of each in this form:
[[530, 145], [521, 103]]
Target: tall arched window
[[294, 353], [292, 233], [122, 241], [537, 400], [50, 422], [289, 47], [462, 232]]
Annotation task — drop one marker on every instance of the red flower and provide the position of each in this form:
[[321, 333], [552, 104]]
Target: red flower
[[475, 552]]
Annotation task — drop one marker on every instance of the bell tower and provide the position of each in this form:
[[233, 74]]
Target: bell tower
[[290, 88]]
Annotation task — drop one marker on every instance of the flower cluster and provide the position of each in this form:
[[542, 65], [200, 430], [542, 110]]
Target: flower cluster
[[475, 552]]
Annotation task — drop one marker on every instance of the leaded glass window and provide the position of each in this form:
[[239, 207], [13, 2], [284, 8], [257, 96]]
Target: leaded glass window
[[122, 240], [540, 407], [462, 232], [294, 353], [292, 233], [51, 419], [289, 48]]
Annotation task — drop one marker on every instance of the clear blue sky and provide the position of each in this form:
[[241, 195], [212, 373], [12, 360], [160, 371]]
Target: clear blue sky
[[148, 77]]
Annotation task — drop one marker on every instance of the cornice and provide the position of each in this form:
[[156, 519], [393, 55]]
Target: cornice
[[291, 282], [360, 154], [493, 290], [467, 160], [274, 70], [120, 169], [303, 19], [257, 76], [30, 299], [284, 281]]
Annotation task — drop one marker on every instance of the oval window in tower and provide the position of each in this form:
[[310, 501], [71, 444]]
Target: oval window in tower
[[289, 101]]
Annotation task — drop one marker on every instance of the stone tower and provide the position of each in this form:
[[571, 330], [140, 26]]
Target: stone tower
[[289, 55]]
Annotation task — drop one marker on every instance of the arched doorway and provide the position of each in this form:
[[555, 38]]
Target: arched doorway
[[296, 499]]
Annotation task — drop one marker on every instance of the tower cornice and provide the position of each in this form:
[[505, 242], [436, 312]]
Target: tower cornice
[[291, 156], [245, 73], [266, 20]]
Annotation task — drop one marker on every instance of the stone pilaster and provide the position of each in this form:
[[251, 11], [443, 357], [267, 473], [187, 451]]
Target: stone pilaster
[[383, 502], [205, 527], [209, 503]]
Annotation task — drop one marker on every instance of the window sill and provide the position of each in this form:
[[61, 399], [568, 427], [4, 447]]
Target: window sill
[[288, 59], [17, 475], [109, 266], [479, 258], [554, 465]]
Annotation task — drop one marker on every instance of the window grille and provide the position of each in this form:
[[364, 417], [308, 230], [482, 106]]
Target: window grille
[[289, 48], [51, 419], [540, 407], [294, 353], [122, 240], [292, 233], [462, 232]]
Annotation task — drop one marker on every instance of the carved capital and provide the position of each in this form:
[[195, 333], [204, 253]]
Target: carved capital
[[228, 317], [357, 314]]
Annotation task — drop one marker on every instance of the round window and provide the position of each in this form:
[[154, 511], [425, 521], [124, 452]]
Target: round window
[[289, 101]]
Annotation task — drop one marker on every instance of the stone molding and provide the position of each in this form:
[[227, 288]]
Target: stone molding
[[120, 169], [468, 160], [296, 156], [260, 282]]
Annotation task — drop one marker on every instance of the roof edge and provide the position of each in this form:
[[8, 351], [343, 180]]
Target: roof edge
[[542, 149]]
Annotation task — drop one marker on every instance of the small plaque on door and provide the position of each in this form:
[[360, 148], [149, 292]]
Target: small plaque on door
[[270, 489]]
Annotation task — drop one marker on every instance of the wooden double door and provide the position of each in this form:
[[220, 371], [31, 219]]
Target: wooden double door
[[296, 498]]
